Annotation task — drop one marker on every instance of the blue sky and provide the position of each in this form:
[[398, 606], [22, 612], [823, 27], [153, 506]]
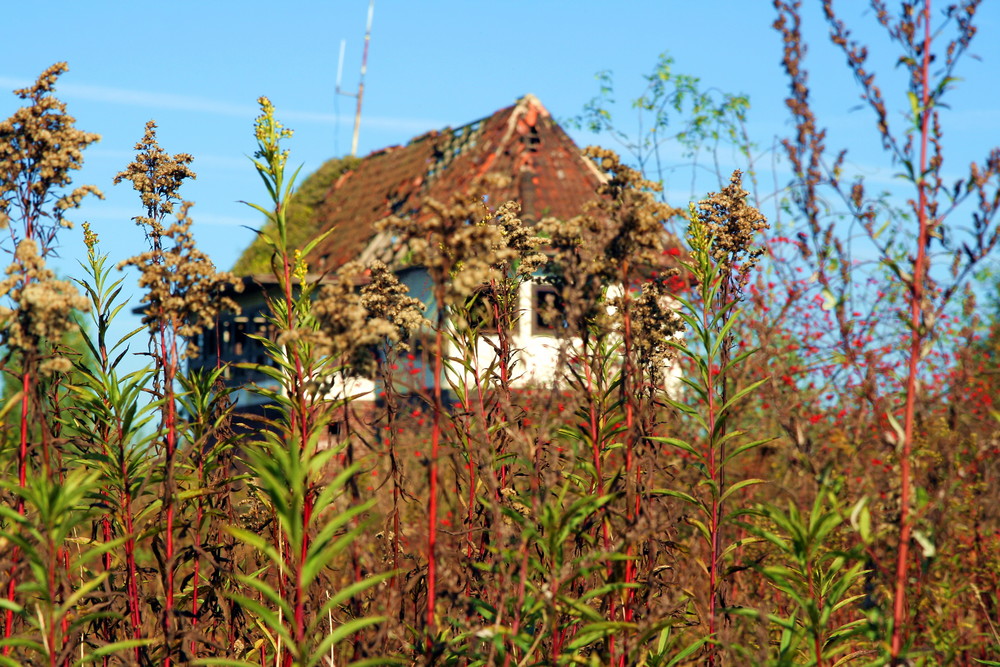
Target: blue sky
[[198, 67]]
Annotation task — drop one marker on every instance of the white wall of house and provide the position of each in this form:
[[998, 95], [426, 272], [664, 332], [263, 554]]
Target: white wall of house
[[536, 356], [536, 350]]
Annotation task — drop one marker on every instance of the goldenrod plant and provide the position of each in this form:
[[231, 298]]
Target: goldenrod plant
[[733, 463]]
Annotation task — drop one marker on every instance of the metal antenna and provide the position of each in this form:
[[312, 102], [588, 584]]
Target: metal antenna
[[340, 64], [361, 84]]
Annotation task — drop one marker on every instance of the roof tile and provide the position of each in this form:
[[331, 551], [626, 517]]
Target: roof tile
[[546, 172]]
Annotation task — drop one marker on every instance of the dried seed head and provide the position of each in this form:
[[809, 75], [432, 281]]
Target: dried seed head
[[620, 235], [157, 177], [732, 223], [458, 243], [654, 323], [354, 321], [42, 306], [183, 289], [39, 148], [519, 239]]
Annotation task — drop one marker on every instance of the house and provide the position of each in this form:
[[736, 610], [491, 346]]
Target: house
[[542, 169]]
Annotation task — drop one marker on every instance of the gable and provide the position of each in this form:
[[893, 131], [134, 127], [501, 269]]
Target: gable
[[543, 169]]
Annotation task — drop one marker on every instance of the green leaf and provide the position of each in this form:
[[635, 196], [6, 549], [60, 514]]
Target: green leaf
[[914, 105], [732, 454], [688, 650], [110, 649], [929, 550], [861, 520], [742, 484], [689, 499], [593, 632], [339, 633], [740, 543], [702, 528], [675, 442], [740, 394]]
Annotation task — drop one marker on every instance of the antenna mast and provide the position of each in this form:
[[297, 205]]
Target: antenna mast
[[361, 83]]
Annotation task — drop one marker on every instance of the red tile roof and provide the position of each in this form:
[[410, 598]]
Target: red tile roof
[[547, 174]]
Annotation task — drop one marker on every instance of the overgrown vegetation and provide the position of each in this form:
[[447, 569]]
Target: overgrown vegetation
[[820, 491], [303, 222]]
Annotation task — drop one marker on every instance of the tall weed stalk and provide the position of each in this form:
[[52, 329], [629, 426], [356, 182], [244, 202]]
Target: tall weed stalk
[[39, 148], [315, 519], [721, 235], [927, 290]]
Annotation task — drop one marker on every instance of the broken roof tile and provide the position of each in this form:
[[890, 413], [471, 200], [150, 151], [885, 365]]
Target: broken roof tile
[[545, 171]]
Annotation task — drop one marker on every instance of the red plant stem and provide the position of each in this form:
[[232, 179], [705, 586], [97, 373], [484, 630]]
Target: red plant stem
[[521, 589], [22, 477], [301, 421], [596, 447], [132, 586], [503, 362], [818, 599], [9, 616], [594, 430], [22, 457], [355, 499], [197, 560], [299, 379], [516, 626], [300, 592], [106, 531], [50, 624], [390, 422], [62, 557], [629, 394], [715, 474], [169, 360], [470, 515], [502, 319], [395, 523], [432, 472], [916, 294]]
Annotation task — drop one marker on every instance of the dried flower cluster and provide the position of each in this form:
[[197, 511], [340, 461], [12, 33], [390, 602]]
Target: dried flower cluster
[[43, 306], [354, 321], [458, 243], [157, 177], [620, 236], [39, 147], [183, 287], [654, 323], [517, 237], [732, 224], [638, 219], [384, 297]]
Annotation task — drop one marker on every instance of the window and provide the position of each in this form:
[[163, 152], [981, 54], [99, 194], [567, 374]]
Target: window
[[547, 310]]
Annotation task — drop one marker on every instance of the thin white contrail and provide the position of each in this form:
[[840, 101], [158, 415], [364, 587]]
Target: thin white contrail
[[149, 99]]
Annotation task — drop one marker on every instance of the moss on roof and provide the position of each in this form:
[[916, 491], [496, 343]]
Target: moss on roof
[[303, 223]]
